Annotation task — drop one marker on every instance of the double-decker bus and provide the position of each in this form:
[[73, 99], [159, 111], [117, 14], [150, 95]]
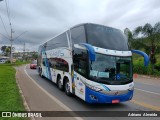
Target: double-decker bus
[[91, 61]]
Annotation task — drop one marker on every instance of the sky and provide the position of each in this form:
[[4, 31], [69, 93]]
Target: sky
[[40, 20]]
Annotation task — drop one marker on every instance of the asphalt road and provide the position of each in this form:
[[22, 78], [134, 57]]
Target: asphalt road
[[155, 89], [146, 98]]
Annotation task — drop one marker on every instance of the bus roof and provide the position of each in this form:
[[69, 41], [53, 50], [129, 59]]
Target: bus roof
[[72, 28]]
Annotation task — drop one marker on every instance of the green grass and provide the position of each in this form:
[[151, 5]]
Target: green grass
[[10, 98], [18, 63]]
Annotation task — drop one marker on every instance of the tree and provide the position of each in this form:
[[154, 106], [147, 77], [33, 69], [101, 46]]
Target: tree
[[34, 56], [149, 33], [129, 36], [3, 48], [128, 33], [6, 50]]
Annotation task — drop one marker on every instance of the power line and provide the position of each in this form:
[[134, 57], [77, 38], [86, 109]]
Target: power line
[[9, 19], [8, 14], [5, 36], [4, 25], [17, 39], [20, 35], [11, 39], [9, 9]]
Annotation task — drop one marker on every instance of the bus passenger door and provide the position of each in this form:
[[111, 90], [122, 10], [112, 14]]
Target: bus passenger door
[[79, 85], [80, 71]]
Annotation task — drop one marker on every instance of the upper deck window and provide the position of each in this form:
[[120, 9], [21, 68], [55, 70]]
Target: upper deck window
[[59, 41], [78, 35], [106, 37]]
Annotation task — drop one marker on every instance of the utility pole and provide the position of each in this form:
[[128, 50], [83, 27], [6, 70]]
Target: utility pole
[[24, 49], [11, 37], [11, 57]]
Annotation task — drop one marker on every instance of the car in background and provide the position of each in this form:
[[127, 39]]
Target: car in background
[[33, 64], [2, 61]]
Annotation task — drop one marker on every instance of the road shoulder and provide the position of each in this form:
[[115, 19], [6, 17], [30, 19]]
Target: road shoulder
[[36, 98]]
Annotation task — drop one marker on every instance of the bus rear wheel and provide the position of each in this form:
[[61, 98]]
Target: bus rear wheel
[[40, 72], [67, 87], [59, 84]]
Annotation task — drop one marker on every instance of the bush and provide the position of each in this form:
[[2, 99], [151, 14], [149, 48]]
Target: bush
[[138, 67], [157, 66], [156, 73], [8, 61]]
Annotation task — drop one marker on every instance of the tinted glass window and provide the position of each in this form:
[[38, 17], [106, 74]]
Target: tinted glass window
[[111, 69], [106, 37], [78, 35], [80, 61], [59, 41], [59, 63]]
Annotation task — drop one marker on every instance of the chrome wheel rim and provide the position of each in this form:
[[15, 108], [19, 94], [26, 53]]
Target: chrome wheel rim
[[67, 87], [59, 84]]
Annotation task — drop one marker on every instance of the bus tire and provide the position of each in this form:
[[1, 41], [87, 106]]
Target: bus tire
[[59, 84], [67, 87], [40, 72]]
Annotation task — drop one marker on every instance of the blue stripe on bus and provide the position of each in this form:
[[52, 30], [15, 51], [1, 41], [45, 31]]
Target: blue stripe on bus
[[105, 87], [91, 51], [47, 65]]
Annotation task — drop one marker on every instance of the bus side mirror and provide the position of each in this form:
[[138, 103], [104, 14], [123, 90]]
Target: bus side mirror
[[89, 48], [146, 57], [91, 51]]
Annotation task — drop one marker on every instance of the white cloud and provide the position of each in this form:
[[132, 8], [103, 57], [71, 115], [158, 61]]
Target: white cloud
[[44, 19]]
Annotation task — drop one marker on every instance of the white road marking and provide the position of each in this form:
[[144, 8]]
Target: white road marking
[[52, 97], [156, 108], [147, 91], [146, 84]]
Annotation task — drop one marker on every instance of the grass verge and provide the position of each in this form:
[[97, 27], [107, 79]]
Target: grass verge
[[10, 98]]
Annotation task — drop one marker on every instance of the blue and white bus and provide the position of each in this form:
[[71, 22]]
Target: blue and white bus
[[90, 61]]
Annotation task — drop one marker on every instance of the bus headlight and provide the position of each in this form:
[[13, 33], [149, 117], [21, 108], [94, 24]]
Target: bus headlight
[[131, 88], [93, 88]]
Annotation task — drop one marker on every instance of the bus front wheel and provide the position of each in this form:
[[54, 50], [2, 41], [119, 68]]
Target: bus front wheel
[[67, 87]]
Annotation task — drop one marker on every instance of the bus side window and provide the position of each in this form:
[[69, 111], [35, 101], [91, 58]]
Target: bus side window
[[80, 61]]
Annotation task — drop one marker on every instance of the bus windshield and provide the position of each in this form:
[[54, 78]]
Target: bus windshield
[[106, 37], [111, 69]]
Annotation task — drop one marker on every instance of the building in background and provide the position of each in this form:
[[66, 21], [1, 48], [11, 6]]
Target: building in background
[[3, 59], [25, 55]]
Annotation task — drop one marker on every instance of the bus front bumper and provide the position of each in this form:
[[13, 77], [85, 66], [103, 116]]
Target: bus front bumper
[[98, 97]]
